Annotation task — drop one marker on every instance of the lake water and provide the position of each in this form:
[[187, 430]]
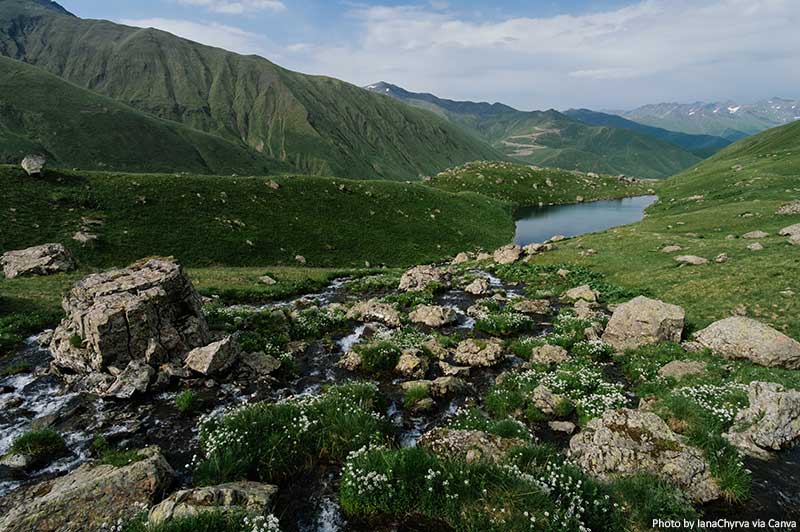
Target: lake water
[[537, 224]]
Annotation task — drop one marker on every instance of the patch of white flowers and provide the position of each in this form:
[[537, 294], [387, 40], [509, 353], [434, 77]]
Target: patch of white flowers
[[262, 523], [721, 401]]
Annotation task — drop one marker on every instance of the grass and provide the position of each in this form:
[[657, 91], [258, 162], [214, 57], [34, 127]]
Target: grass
[[188, 402], [15, 369], [42, 446], [378, 357], [244, 222], [414, 395], [267, 442], [234, 521]]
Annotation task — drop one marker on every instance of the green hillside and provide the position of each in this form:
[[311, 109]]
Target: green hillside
[[701, 145], [550, 138], [317, 124], [737, 191], [246, 221], [41, 113], [522, 185]]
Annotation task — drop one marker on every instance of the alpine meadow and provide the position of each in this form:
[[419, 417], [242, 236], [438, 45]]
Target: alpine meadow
[[248, 288]]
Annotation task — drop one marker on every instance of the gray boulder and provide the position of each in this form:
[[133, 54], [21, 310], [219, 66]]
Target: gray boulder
[[507, 254], [481, 353], [420, 278], [135, 378], [213, 358], [46, 259], [792, 230], [433, 315], [478, 287], [739, 337], [642, 321], [770, 423], [34, 164], [244, 496], [374, 310]]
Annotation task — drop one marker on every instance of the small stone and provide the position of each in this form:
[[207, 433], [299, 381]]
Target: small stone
[[213, 358], [583, 292], [562, 426], [508, 254], [300, 259], [692, 260], [671, 249], [755, 234], [678, 369], [549, 354], [478, 287], [755, 247], [34, 164], [267, 280]]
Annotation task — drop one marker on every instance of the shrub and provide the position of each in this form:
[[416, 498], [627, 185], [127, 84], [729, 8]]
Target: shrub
[[378, 357], [15, 369], [41, 445], [188, 402], [505, 323], [473, 419], [415, 394]]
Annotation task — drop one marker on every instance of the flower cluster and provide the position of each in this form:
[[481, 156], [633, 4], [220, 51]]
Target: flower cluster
[[721, 401], [262, 523]]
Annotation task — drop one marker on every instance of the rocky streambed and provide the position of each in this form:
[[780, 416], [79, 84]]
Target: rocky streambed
[[467, 360]]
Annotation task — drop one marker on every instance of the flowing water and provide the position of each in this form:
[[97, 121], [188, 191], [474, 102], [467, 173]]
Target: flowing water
[[537, 224]]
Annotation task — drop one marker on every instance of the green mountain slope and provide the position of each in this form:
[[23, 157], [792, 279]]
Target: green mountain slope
[[317, 124], [700, 145], [706, 210], [41, 113], [553, 139]]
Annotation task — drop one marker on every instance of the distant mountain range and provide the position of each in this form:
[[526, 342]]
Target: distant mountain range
[[550, 138], [730, 120]]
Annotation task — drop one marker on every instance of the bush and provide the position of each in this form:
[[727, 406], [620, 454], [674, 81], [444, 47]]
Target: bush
[[188, 402], [41, 445], [14, 328], [505, 323], [378, 357], [415, 394]]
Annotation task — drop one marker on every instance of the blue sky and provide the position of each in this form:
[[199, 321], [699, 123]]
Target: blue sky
[[530, 54]]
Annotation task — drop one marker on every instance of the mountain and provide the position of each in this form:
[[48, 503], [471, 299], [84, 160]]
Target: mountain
[[317, 124], [730, 120], [549, 138], [74, 127], [701, 145]]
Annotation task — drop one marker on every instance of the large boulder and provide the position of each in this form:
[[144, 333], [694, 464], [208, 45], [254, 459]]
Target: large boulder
[[468, 445], [147, 312], [433, 315], [478, 287], [90, 496], [244, 496], [481, 353], [625, 442], [792, 230], [507, 254], [213, 358], [642, 321], [739, 337], [374, 310], [34, 164], [770, 423], [581, 293], [46, 259], [420, 278]]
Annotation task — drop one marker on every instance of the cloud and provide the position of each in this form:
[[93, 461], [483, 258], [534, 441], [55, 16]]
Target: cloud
[[647, 51], [237, 7], [211, 33]]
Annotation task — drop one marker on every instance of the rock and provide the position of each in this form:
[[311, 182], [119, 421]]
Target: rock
[[461, 258], [374, 310], [244, 496], [793, 207], [422, 383], [423, 405], [214, 358], [420, 278], [533, 249], [89, 496], [585, 309], [642, 321], [678, 369], [755, 234], [267, 280], [625, 442], [34, 164], [300, 259], [739, 337], [545, 400], [549, 354], [483, 256], [478, 287], [444, 386], [563, 273], [274, 185], [770, 423], [794, 240], [671, 249], [692, 260], [148, 312], [351, 361], [583, 292], [468, 445], [411, 364], [454, 371], [435, 348], [433, 315], [85, 239], [479, 352], [532, 306], [135, 378], [555, 238], [508, 254], [792, 230], [46, 259], [755, 247], [562, 426], [721, 258], [261, 364]]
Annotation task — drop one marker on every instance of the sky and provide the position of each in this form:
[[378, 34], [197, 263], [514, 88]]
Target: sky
[[534, 54]]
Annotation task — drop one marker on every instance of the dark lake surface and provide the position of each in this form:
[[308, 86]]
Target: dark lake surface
[[537, 224]]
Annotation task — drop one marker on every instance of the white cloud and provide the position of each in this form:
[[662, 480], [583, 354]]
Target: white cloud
[[647, 51], [210, 33], [237, 7]]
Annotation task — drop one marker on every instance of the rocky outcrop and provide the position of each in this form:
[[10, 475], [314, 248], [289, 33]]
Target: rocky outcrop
[[433, 315], [374, 310], [793, 207], [739, 337], [148, 313], [624, 442], [545, 400], [468, 445], [792, 230], [90, 496], [481, 353], [507, 254], [770, 423], [420, 278], [755, 234], [34, 164], [46, 259], [213, 358], [642, 321], [478, 287], [532, 306], [251, 497], [584, 293], [692, 260], [549, 354], [412, 364]]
